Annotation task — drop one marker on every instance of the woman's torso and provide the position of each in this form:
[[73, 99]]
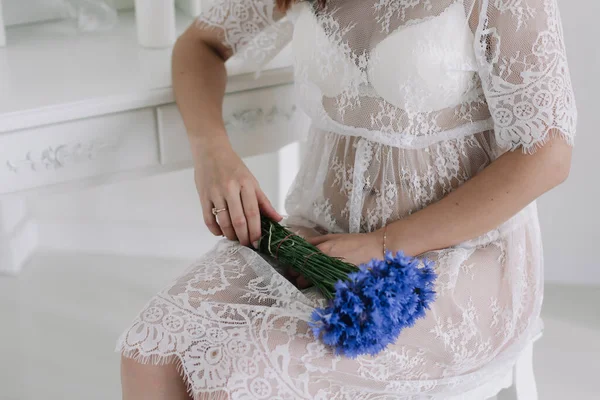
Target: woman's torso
[[401, 73], [398, 114]]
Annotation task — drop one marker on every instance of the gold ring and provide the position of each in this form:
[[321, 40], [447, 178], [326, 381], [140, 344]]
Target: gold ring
[[215, 211]]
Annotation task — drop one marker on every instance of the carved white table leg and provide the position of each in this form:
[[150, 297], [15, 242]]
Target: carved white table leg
[[2, 30], [18, 235]]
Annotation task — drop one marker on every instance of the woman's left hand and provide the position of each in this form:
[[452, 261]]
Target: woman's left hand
[[355, 248]]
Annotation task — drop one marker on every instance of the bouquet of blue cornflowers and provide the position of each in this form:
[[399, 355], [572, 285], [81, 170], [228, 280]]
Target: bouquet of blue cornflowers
[[369, 305]]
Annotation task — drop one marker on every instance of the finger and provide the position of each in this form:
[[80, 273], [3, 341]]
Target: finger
[[209, 219], [302, 282], [317, 240], [223, 219], [326, 248], [292, 272], [252, 213], [266, 207], [238, 219], [289, 277]]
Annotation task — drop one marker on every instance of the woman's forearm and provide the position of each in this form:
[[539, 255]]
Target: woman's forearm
[[199, 80], [484, 202], [231, 197]]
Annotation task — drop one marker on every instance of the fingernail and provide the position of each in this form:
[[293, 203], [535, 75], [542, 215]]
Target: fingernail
[[255, 244]]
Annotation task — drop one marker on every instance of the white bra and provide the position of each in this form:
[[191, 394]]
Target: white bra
[[427, 66]]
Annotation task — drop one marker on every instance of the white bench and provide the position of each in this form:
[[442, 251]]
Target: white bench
[[522, 385], [519, 383]]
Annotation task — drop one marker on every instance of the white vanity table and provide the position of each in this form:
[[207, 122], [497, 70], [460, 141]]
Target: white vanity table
[[87, 109]]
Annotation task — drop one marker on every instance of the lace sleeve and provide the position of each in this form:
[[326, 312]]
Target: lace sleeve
[[524, 72], [252, 29]]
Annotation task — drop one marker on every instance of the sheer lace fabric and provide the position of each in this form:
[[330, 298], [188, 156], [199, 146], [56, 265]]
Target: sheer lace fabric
[[408, 100]]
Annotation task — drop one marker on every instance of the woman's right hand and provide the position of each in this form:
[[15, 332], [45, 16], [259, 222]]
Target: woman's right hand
[[224, 181]]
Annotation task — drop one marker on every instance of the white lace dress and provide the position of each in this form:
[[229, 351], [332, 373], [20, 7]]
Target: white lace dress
[[408, 100]]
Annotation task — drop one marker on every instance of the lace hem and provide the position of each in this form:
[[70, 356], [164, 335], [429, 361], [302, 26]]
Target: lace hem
[[498, 376], [549, 134], [160, 360]]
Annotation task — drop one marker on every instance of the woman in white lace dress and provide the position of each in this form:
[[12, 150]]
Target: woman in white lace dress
[[442, 120]]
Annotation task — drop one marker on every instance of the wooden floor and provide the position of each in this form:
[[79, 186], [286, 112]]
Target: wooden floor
[[61, 317]]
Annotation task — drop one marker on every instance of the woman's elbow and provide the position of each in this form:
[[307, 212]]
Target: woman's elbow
[[195, 39], [557, 160], [563, 169]]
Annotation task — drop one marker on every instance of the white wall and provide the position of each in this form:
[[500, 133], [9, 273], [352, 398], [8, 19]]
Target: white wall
[[158, 216], [569, 215], [15, 11], [26, 11], [169, 199]]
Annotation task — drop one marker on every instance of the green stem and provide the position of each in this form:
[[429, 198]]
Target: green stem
[[294, 251]]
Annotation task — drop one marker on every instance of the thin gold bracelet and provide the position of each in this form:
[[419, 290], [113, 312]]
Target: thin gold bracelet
[[384, 240]]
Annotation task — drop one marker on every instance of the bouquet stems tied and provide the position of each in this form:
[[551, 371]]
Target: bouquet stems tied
[[369, 305], [294, 251]]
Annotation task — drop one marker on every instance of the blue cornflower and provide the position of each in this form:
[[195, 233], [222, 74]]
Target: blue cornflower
[[373, 305]]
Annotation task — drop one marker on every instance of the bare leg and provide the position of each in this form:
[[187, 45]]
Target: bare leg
[[151, 382]]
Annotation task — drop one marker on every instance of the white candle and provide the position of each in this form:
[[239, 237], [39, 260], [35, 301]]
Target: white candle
[[2, 31], [155, 20]]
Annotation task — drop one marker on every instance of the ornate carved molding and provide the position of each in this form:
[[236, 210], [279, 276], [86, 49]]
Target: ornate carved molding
[[56, 157], [253, 117]]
